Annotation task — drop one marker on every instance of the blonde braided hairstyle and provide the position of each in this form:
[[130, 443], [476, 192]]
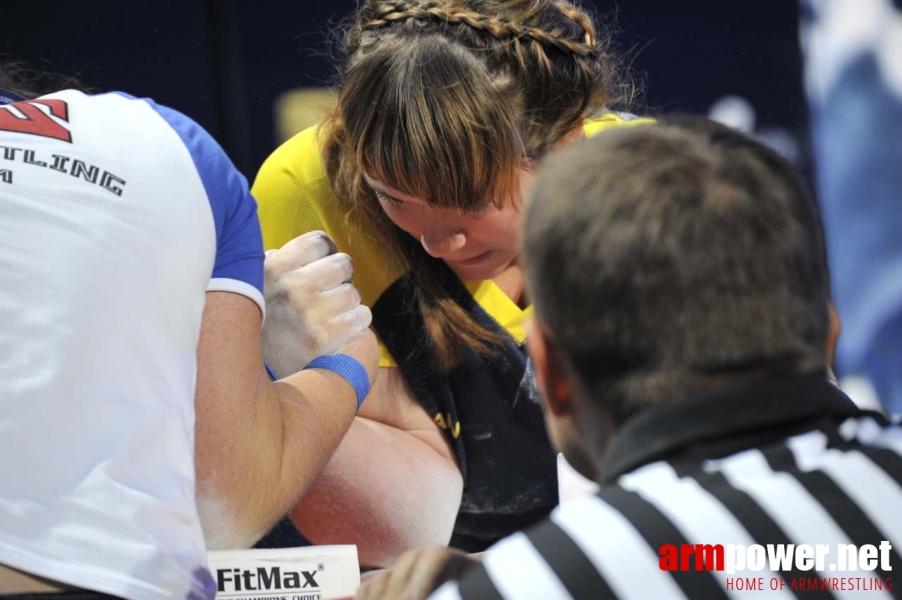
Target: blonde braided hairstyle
[[447, 100]]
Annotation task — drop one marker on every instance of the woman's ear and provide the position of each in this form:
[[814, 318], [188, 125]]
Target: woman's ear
[[574, 135]]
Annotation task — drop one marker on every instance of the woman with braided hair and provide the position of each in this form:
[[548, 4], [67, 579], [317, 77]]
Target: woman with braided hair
[[443, 109]]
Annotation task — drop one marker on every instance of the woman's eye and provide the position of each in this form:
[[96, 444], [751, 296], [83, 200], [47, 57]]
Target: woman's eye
[[387, 198]]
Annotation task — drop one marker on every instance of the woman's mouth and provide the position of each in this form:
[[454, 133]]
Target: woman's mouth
[[471, 261]]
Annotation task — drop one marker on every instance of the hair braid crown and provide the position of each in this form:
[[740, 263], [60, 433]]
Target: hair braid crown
[[504, 29]]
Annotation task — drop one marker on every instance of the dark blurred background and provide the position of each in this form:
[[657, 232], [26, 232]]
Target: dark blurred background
[[225, 62]]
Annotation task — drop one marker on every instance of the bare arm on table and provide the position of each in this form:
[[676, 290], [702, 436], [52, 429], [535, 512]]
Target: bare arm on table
[[392, 485], [260, 444]]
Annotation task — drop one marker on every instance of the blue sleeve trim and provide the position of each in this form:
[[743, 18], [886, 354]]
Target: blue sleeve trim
[[270, 372]]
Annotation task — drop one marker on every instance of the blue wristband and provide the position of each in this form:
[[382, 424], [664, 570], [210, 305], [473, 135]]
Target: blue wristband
[[348, 368]]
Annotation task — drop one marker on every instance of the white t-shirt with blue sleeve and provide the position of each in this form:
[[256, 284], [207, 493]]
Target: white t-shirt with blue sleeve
[[116, 217]]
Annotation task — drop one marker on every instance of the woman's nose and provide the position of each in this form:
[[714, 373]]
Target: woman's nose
[[439, 240]]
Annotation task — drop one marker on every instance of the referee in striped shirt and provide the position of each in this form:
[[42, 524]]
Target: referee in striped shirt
[[682, 339]]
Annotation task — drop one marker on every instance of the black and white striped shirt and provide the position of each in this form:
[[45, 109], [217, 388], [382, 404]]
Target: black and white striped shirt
[[781, 461]]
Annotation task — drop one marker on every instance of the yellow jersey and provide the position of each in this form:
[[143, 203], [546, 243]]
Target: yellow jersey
[[487, 406], [294, 196]]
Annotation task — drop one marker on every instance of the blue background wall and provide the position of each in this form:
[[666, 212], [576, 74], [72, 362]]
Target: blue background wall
[[224, 62]]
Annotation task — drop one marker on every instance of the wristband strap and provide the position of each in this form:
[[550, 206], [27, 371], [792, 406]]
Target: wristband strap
[[347, 367]]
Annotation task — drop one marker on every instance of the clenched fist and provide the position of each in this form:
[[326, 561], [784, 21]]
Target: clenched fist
[[311, 307]]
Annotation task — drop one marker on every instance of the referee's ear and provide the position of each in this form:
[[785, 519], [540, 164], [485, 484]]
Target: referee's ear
[[551, 376], [833, 333]]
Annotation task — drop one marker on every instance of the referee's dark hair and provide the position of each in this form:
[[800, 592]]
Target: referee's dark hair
[[670, 258]]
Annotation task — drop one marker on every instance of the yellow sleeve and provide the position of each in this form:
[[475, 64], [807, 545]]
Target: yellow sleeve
[[294, 196], [290, 190], [595, 125]]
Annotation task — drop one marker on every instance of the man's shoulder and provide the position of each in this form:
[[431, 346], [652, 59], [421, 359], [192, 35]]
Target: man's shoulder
[[836, 477], [586, 548], [567, 546], [167, 138], [109, 118]]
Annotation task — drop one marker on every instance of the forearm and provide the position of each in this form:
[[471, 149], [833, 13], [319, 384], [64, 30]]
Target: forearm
[[271, 455], [259, 445], [384, 490]]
